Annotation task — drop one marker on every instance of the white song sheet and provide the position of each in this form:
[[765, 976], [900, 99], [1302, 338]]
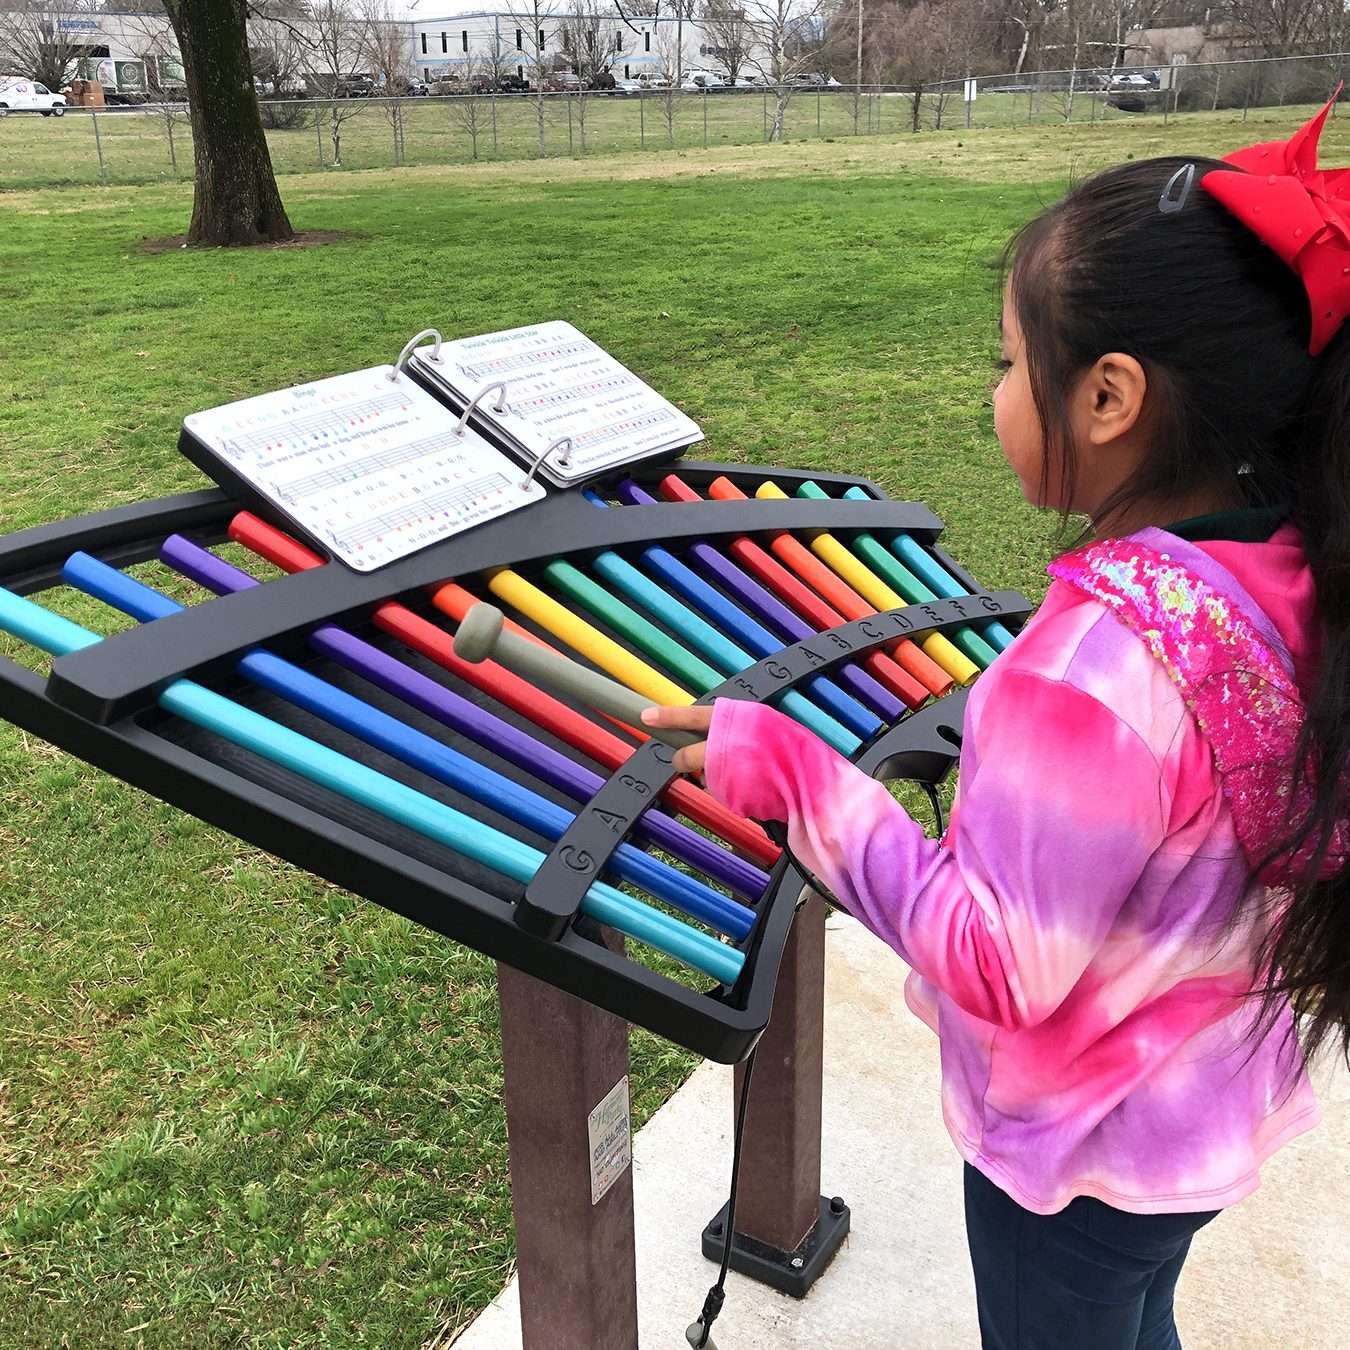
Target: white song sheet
[[369, 465], [560, 383]]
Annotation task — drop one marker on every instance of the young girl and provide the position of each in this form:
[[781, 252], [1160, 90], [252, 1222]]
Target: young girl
[[1142, 872]]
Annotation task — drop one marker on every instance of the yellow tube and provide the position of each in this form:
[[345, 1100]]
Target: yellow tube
[[846, 565], [582, 637]]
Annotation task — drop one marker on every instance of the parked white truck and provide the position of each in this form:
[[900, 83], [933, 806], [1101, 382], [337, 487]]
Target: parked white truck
[[29, 96]]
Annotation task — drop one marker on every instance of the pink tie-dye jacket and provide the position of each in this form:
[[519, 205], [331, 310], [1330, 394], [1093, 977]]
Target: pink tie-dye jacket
[[1069, 935]]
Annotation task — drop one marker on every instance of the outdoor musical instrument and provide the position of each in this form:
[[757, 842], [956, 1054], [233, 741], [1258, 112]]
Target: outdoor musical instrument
[[328, 717]]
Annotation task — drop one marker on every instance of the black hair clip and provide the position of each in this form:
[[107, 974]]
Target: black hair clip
[[1173, 199]]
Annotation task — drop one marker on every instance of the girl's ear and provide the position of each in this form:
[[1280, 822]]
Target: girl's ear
[[1111, 399]]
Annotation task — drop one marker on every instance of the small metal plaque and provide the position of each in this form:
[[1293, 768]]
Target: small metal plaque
[[611, 1139]]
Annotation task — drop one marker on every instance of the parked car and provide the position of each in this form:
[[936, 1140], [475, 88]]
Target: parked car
[[416, 89], [354, 86], [1130, 100], [1130, 82], [751, 82], [513, 84], [627, 88], [696, 81], [30, 96], [602, 83]]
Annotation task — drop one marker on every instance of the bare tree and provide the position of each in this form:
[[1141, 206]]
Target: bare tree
[[387, 59], [589, 43], [669, 59], [1278, 27], [649, 16], [494, 61], [786, 41], [280, 55], [151, 40], [35, 43], [587, 39], [335, 60], [470, 111], [535, 26], [928, 45], [730, 34]]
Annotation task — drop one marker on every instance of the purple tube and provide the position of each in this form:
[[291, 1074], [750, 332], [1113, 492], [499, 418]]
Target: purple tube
[[519, 747], [739, 583]]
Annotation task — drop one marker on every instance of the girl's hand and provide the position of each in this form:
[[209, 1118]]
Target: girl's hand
[[693, 757]]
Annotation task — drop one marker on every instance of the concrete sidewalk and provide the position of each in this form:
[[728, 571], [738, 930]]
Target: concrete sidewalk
[[1274, 1273]]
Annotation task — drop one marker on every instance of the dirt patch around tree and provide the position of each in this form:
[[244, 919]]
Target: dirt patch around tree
[[301, 239]]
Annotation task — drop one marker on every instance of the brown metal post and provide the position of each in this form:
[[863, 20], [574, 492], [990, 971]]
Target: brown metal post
[[577, 1273], [786, 1231]]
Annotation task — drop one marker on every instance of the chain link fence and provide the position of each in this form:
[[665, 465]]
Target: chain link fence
[[153, 142]]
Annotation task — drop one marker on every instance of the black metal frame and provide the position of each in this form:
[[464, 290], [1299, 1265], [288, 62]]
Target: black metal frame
[[100, 704]]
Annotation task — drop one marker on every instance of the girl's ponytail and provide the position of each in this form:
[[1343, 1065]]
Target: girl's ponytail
[[1307, 952]]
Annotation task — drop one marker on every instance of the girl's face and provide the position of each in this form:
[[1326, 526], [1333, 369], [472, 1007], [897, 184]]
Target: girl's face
[[1106, 440], [1016, 421]]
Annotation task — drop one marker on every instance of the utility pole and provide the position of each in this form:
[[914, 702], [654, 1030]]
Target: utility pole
[[858, 77]]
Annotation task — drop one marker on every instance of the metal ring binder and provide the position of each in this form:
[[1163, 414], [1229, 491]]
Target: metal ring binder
[[564, 459], [499, 407], [411, 344]]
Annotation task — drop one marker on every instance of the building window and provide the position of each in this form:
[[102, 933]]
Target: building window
[[541, 39], [464, 40], [520, 40], [444, 47], [424, 44], [520, 72], [618, 41], [426, 74], [646, 42], [627, 74]]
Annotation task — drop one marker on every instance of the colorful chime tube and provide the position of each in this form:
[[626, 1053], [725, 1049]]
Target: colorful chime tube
[[855, 577], [942, 583], [588, 641], [729, 637], [840, 597], [541, 709], [771, 611], [270, 740], [398, 740], [799, 598], [883, 581]]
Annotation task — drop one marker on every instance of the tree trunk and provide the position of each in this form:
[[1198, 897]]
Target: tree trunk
[[235, 196]]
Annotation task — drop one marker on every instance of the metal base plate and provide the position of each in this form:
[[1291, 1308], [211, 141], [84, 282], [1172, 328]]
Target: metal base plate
[[789, 1272]]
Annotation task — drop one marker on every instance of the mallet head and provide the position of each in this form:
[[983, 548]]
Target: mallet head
[[476, 637]]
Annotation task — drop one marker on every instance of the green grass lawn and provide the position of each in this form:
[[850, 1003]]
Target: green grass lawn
[[239, 1106]]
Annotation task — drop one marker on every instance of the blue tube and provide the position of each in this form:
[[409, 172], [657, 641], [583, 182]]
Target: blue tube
[[384, 795], [729, 657], [442, 762]]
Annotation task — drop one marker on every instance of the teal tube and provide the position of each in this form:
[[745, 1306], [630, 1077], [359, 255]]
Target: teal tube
[[385, 795], [930, 570]]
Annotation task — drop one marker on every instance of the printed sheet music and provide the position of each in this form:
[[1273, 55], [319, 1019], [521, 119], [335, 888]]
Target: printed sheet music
[[559, 383], [369, 466]]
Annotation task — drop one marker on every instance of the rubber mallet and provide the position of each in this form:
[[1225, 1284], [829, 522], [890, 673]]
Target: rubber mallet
[[482, 635]]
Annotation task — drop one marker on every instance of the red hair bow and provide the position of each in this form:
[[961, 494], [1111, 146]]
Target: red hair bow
[[1300, 211]]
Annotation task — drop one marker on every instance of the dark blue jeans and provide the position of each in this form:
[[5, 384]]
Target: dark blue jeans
[[1088, 1278]]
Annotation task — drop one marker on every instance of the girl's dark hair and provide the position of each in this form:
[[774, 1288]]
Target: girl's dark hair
[[1237, 409]]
